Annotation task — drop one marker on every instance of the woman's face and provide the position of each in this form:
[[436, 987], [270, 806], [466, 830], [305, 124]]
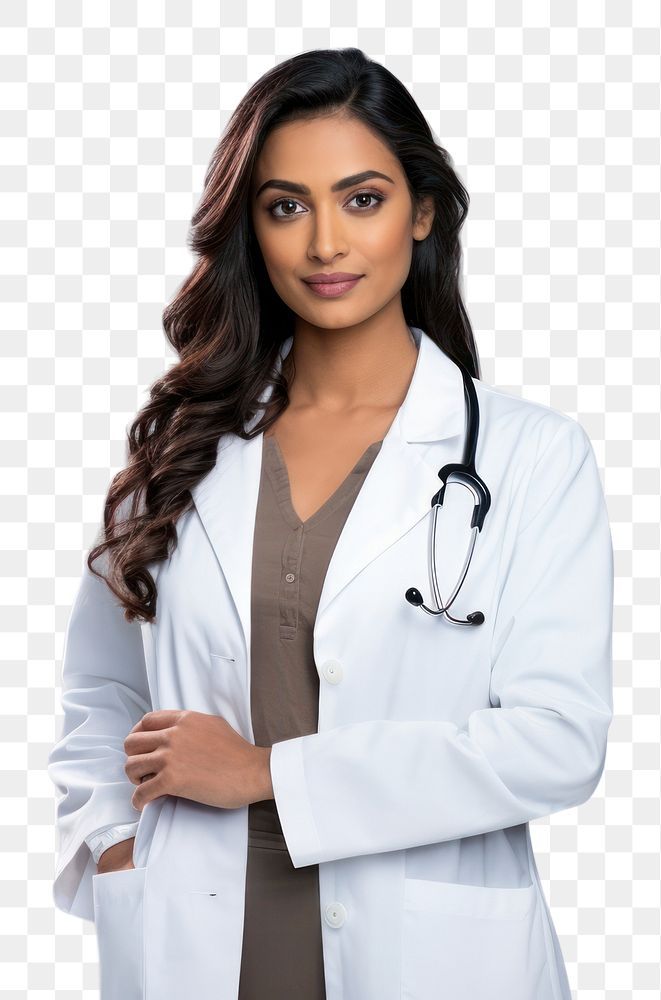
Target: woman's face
[[327, 196]]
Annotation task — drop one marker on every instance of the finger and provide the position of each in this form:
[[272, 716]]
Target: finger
[[161, 719], [139, 766], [150, 788], [144, 742]]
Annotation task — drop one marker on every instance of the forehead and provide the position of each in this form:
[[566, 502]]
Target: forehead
[[319, 151]]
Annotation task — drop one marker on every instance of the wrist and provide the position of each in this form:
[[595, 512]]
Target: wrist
[[116, 855], [264, 785]]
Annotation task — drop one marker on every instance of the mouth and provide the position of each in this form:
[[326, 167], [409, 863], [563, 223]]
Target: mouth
[[331, 286]]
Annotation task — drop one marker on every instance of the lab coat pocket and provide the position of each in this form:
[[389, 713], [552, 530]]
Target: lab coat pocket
[[118, 902], [461, 941]]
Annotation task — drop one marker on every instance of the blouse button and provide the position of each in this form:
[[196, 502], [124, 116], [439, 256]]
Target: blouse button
[[290, 578]]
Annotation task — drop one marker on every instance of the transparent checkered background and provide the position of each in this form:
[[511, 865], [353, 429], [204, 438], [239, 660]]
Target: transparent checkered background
[[107, 123]]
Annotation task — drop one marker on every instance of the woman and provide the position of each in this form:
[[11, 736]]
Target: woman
[[333, 788]]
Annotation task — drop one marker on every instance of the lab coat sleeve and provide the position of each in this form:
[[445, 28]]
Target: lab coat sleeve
[[104, 693], [386, 785]]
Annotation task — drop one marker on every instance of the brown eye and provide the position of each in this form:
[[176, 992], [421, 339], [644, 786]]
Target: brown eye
[[286, 202], [368, 194]]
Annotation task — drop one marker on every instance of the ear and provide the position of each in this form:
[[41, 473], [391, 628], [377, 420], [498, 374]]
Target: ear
[[424, 218]]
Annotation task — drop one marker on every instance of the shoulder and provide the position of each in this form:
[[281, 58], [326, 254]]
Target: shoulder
[[530, 427], [547, 456]]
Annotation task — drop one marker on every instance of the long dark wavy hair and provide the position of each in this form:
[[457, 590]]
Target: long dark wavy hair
[[226, 321]]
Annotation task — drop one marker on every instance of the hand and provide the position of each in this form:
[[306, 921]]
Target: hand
[[195, 756], [117, 858]]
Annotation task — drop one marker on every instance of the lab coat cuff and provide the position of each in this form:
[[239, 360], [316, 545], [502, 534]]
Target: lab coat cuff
[[293, 802], [103, 839]]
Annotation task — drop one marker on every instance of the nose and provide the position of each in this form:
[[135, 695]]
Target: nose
[[328, 238]]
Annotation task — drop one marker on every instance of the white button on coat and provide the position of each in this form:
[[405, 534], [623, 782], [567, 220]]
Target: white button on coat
[[331, 670], [335, 914], [439, 747]]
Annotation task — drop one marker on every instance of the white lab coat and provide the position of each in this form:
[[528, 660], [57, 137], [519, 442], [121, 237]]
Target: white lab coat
[[436, 743]]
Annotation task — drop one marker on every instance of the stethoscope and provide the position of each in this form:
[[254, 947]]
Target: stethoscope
[[465, 474]]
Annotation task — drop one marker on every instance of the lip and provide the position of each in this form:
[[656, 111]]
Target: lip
[[330, 279], [333, 286]]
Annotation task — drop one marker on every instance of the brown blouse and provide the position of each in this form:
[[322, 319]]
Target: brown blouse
[[282, 946]]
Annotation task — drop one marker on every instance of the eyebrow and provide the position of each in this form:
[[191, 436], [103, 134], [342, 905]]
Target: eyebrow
[[346, 182]]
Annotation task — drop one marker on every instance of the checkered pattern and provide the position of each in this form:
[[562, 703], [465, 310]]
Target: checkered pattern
[[108, 115]]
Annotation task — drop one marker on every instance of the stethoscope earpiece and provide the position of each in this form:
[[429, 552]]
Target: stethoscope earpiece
[[465, 474]]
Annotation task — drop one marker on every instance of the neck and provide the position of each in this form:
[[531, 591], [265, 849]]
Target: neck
[[339, 370]]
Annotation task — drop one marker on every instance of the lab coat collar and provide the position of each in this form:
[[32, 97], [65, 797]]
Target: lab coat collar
[[394, 496]]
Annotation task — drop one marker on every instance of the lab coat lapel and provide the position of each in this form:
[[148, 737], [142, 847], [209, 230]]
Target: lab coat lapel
[[226, 500], [394, 496], [397, 491]]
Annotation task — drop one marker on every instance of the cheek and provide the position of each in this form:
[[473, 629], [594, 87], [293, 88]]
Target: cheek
[[387, 236], [391, 236], [281, 253], [388, 249]]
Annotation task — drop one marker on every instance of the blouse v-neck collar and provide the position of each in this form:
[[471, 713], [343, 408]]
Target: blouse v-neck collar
[[276, 469]]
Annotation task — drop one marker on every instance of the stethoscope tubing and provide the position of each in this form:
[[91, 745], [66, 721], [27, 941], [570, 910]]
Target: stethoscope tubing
[[466, 475]]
